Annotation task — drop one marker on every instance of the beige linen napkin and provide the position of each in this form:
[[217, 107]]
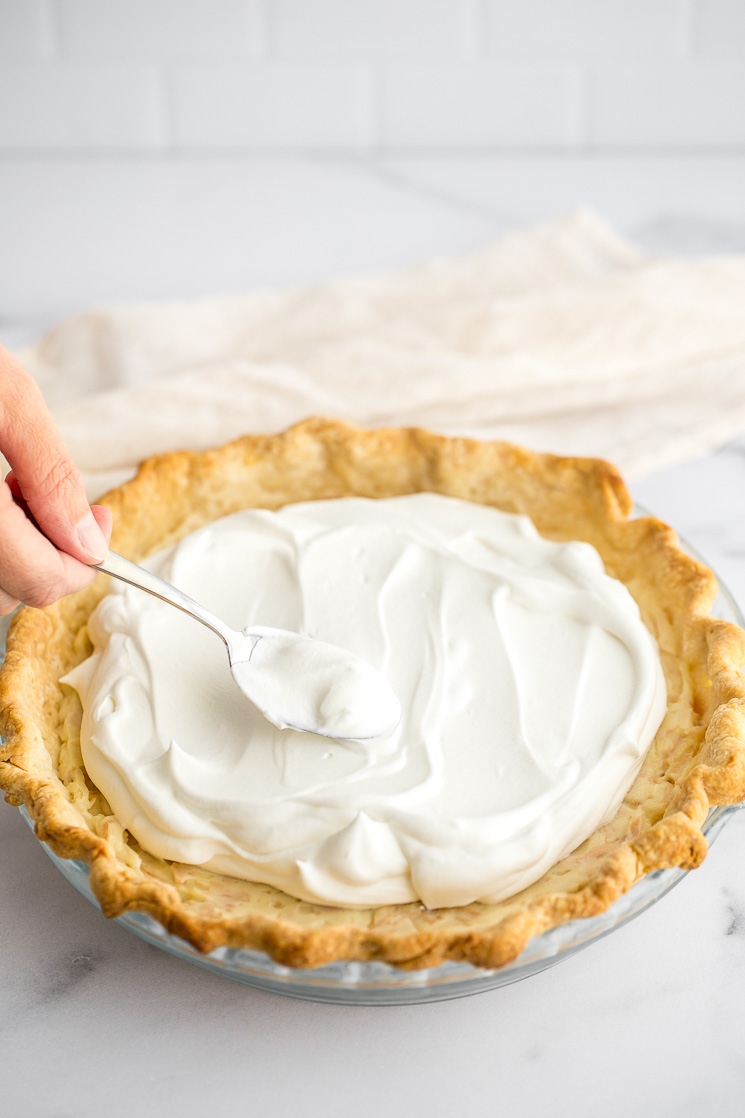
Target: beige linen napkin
[[562, 338]]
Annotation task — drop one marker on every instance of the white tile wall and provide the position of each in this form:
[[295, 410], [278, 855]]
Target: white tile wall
[[585, 29], [25, 29], [270, 107], [375, 29], [190, 75], [721, 29], [479, 106], [668, 106], [160, 29], [82, 107]]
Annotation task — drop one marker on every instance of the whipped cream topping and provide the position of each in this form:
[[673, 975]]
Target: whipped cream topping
[[529, 685]]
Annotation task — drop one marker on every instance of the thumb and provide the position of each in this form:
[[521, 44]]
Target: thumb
[[44, 475]]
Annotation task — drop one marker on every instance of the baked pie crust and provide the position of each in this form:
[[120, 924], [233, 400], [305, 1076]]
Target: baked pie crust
[[696, 760]]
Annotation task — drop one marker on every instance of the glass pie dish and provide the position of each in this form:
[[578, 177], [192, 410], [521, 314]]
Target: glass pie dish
[[374, 983], [351, 983]]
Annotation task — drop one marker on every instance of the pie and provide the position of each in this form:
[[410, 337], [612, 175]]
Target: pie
[[696, 760]]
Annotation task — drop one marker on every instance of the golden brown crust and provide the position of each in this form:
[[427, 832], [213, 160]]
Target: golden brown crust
[[696, 760]]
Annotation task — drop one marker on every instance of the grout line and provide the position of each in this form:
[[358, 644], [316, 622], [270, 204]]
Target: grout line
[[585, 90], [566, 152], [166, 113], [373, 114], [688, 31], [52, 47], [267, 42], [591, 147], [476, 38]]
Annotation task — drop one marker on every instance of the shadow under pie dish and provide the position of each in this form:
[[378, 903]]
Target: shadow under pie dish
[[697, 758]]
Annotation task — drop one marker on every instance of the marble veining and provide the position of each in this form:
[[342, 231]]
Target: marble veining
[[736, 925], [69, 974], [735, 914]]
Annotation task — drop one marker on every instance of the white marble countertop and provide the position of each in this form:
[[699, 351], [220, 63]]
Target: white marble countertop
[[648, 1020]]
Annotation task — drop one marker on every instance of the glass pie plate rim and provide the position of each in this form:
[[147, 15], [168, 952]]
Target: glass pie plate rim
[[374, 983]]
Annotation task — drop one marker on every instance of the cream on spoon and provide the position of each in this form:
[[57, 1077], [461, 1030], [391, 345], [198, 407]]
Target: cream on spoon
[[295, 681]]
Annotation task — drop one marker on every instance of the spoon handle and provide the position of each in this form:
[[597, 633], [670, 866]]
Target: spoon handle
[[119, 567]]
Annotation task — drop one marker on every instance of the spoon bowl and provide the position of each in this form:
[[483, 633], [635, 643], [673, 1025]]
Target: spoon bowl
[[297, 682]]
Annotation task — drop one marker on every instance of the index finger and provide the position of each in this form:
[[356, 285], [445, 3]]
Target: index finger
[[32, 570]]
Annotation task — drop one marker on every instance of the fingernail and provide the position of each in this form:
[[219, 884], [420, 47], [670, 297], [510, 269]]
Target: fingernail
[[92, 539]]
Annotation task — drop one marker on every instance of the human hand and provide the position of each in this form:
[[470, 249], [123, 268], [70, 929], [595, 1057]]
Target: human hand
[[48, 533]]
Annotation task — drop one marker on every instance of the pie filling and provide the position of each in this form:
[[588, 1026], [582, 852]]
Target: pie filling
[[530, 690]]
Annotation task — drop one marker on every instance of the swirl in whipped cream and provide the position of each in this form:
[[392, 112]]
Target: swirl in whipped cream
[[530, 689]]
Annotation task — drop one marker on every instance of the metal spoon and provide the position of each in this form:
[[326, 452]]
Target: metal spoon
[[295, 681]]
